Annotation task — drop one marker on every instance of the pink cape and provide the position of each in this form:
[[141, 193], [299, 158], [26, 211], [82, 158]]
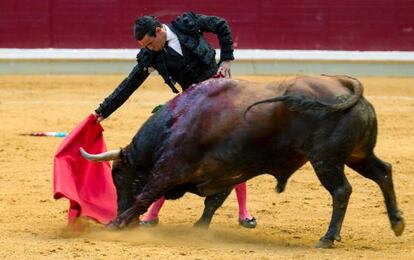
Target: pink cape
[[87, 185]]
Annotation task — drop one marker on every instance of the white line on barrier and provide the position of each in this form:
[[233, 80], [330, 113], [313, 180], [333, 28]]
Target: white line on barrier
[[240, 54]]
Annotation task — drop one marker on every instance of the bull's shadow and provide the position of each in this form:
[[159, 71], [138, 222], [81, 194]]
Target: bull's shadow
[[183, 235]]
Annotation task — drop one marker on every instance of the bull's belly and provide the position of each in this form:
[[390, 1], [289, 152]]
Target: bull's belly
[[219, 184], [220, 175]]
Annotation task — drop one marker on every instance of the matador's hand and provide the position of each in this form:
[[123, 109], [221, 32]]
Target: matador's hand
[[224, 70], [99, 118]]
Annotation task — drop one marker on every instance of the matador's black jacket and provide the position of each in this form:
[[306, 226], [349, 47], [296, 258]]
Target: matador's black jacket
[[197, 63]]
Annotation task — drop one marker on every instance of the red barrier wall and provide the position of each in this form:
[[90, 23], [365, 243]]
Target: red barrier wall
[[260, 24]]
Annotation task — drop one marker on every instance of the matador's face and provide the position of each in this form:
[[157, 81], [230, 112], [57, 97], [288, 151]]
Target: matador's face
[[154, 43]]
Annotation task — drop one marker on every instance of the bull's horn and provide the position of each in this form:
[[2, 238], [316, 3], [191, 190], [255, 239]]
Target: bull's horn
[[101, 157]]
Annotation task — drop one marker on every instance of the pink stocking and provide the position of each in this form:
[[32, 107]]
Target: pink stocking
[[241, 193], [154, 210]]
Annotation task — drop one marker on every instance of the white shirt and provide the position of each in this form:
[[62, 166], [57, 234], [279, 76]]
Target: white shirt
[[173, 40]]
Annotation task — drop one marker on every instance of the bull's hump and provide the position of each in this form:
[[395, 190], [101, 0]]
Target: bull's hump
[[197, 94]]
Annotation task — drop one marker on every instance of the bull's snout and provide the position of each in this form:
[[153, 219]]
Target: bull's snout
[[101, 157]]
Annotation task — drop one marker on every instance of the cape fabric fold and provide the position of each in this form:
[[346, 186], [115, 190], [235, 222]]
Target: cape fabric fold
[[87, 185]]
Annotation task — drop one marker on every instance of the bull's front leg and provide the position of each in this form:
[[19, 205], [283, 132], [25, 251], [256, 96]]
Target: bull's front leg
[[124, 181], [139, 207], [152, 191], [164, 176]]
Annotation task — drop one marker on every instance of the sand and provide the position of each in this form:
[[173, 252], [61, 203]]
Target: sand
[[33, 224]]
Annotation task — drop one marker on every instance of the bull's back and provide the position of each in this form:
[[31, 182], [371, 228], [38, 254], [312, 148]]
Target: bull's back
[[213, 112], [285, 130]]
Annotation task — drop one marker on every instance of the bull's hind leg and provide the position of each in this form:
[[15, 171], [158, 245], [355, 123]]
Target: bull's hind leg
[[331, 175], [211, 204], [381, 172]]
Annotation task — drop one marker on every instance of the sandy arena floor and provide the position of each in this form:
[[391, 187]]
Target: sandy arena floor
[[33, 224]]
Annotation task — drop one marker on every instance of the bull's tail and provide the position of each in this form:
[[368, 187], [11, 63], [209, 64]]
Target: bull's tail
[[300, 103]]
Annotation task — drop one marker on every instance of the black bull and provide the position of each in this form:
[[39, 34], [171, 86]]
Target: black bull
[[224, 132]]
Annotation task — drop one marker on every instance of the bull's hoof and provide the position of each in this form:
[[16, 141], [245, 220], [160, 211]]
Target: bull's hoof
[[398, 227], [112, 226], [149, 223], [116, 224], [337, 238], [248, 223], [201, 225], [280, 187], [325, 243]]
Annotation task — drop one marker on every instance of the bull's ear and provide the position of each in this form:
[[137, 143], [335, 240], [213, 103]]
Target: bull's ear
[[101, 157]]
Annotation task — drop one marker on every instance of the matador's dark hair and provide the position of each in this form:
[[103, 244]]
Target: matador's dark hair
[[145, 25]]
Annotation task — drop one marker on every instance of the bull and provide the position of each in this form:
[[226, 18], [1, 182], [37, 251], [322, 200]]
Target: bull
[[222, 132]]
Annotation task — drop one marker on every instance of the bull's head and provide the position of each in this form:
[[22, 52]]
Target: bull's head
[[124, 177]]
